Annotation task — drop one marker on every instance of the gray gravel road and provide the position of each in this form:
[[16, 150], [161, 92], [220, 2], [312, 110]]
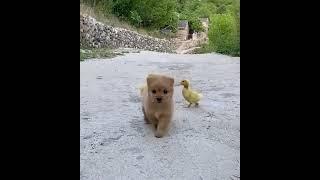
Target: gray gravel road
[[202, 143]]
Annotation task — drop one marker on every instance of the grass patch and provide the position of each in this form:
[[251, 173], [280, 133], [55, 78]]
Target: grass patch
[[206, 48], [100, 53], [104, 16], [203, 49]]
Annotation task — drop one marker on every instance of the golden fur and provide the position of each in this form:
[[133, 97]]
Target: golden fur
[[157, 102]]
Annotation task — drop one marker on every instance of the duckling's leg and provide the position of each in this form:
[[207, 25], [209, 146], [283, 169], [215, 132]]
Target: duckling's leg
[[197, 104], [189, 105]]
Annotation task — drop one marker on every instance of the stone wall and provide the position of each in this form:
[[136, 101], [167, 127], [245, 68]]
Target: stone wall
[[183, 34], [97, 35]]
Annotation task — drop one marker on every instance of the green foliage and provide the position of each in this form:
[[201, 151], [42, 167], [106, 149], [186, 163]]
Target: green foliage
[[148, 13], [206, 10], [122, 8], [135, 18], [224, 29], [195, 23], [191, 10], [159, 13], [223, 34], [105, 6], [153, 15], [100, 53], [221, 9]]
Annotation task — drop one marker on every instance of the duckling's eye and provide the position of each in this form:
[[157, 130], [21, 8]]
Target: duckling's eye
[[165, 91], [153, 91]]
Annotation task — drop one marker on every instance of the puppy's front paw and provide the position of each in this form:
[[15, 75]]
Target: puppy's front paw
[[159, 134]]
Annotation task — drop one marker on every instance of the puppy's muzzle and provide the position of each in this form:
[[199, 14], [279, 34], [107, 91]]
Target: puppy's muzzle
[[159, 100]]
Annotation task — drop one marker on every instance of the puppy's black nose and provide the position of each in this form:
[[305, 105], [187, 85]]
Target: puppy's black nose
[[159, 99]]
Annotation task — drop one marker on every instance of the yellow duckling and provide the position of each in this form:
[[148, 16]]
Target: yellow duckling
[[190, 95]]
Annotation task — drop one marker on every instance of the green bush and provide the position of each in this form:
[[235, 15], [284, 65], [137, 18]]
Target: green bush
[[105, 6], [122, 8], [135, 18], [206, 10], [148, 13], [223, 34], [195, 23], [153, 15]]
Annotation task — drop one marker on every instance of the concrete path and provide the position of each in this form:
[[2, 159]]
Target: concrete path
[[202, 143]]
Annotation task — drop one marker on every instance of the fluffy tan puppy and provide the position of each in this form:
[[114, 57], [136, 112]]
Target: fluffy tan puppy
[[157, 102]]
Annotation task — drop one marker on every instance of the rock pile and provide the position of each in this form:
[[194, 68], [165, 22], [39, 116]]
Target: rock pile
[[98, 35]]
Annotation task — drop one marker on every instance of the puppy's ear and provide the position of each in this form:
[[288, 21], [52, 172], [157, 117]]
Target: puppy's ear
[[150, 79], [171, 81]]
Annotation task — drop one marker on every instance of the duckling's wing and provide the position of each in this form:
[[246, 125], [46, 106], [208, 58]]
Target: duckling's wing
[[195, 96]]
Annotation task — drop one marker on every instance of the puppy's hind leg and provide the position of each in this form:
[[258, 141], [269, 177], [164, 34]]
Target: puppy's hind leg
[[145, 117]]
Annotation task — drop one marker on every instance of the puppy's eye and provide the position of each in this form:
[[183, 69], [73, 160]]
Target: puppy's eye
[[153, 91], [165, 91]]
